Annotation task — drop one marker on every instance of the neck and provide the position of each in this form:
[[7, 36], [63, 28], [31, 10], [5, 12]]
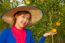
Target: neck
[[18, 27]]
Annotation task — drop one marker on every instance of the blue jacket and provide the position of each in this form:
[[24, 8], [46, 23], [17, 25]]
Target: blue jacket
[[7, 37]]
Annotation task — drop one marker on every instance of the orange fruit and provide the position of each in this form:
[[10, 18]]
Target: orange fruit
[[28, 2], [54, 30], [58, 23]]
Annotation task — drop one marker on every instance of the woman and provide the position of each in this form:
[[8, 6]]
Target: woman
[[19, 18]]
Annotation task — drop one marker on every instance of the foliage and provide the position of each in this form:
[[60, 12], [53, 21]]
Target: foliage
[[53, 18]]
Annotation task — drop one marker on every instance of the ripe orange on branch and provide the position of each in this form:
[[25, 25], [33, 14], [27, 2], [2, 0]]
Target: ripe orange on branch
[[58, 23], [54, 30], [28, 2]]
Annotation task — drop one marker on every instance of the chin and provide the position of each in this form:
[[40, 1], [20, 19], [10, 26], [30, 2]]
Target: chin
[[23, 25]]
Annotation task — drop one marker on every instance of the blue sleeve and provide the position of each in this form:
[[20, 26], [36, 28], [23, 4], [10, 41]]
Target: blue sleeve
[[3, 36], [41, 40], [31, 38]]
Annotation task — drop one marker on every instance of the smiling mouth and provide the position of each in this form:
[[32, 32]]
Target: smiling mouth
[[24, 23]]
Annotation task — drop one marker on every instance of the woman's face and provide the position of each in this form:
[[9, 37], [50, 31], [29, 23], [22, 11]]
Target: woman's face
[[22, 20]]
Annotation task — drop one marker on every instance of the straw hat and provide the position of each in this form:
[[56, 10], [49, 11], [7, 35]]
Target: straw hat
[[35, 12]]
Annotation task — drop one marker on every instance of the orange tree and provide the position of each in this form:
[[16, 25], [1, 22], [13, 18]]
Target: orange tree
[[53, 18]]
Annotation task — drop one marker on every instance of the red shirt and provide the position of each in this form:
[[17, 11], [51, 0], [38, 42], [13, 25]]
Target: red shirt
[[20, 35]]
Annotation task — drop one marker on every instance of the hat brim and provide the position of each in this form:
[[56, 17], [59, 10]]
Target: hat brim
[[35, 12]]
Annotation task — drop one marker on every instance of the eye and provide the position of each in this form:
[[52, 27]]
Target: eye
[[23, 16]]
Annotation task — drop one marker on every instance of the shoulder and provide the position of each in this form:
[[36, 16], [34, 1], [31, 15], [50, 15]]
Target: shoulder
[[6, 30], [28, 31]]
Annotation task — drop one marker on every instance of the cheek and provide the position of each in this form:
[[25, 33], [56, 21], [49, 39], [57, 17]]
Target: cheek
[[19, 20], [27, 22]]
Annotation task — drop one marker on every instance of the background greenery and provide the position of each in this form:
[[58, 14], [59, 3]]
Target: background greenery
[[53, 18]]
